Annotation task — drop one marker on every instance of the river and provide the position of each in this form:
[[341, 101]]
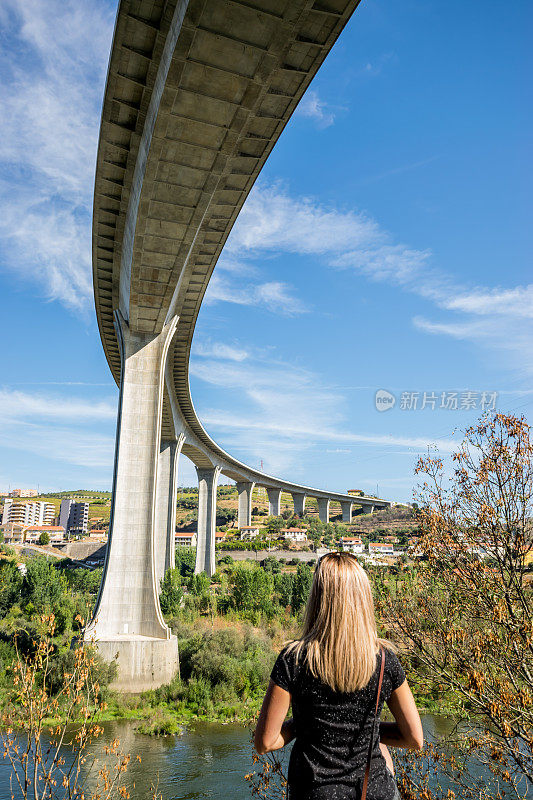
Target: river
[[205, 761]]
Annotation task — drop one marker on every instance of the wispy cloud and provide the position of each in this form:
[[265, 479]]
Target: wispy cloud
[[219, 350], [315, 108], [288, 411], [273, 223], [275, 296], [516, 302], [57, 428], [80, 448], [52, 71], [372, 69], [22, 405]]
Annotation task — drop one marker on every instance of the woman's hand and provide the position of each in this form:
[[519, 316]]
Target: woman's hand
[[273, 731]]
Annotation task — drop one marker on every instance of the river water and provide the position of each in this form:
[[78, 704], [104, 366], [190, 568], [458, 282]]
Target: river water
[[205, 761]]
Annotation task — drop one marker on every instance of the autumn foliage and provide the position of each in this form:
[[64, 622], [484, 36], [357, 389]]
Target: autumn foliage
[[466, 624], [48, 733]]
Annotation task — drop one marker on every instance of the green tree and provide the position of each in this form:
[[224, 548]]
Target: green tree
[[252, 589], [199, 584], [283, 584], [44, 538], [301, 587], [43, 585], [274, 525], [10, 585], [226, 514], [185, 560], [271, 564], [171, 592]]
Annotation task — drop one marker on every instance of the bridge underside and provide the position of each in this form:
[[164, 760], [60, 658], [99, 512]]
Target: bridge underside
[[198, 92]]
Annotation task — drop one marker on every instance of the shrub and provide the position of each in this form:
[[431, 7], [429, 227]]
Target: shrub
[[301, 587], [185, 560], [284, 584], [252, 590], [171, 596], [10, 586], [161, 723]]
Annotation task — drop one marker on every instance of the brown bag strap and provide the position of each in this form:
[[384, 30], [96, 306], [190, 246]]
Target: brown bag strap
[[371, 745]]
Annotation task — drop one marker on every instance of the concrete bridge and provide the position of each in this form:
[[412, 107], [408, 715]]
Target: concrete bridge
[[197, 94]]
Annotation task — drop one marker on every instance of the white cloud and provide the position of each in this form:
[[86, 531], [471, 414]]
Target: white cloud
[[50, 427], [21, 405], [272, 223], [496, 333], [516, 302], [53, 71], [219, 350], [287, 412], [313, 107], [80, 448], [275, 296]]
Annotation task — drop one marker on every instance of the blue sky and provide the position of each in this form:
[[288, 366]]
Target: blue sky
[[386, 246]]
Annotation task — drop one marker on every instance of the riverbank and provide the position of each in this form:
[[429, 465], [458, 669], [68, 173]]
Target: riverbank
[[225, 668], [207, 761], [229, 629]]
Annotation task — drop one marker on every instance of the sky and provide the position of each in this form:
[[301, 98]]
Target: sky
[[375, 293]]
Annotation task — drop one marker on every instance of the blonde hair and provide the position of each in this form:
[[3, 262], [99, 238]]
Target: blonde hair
[[340, 641]]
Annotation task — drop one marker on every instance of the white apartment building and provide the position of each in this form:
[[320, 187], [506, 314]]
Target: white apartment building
[[56, 533], [248, 532], [13, 532], [352, 544], [29, 513], [185, 539], [23, 493], [294, 534], [381, 549]]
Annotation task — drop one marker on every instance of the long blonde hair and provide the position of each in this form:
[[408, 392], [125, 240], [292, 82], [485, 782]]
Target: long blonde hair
[[340, 641]]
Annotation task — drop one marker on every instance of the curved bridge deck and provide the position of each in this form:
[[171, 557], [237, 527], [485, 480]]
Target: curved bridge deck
[[197, 95]]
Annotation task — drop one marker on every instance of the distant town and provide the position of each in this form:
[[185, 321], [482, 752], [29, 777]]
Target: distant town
[[76, 524]]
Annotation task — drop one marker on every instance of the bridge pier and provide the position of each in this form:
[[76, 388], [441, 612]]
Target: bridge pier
[[274, 502], [346, 508], [298, 499], [127, 623], [165, 510], [245, 490], [207, 509], [323, 509]]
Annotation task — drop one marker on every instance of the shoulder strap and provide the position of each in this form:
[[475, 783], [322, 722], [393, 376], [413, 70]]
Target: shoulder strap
[[371, 745]]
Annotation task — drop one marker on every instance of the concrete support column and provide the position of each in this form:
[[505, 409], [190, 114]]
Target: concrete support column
[[165, 511], [346, 507], [127, 622], [323, 509], [299, 503], [369, 510], [245, 489], [207, 509], [274, 502]]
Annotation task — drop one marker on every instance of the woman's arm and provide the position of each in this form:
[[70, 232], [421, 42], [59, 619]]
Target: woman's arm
[[406, 731], [273, 731], [387, 756]]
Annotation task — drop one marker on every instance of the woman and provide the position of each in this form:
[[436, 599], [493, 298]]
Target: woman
[[331, 677]]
